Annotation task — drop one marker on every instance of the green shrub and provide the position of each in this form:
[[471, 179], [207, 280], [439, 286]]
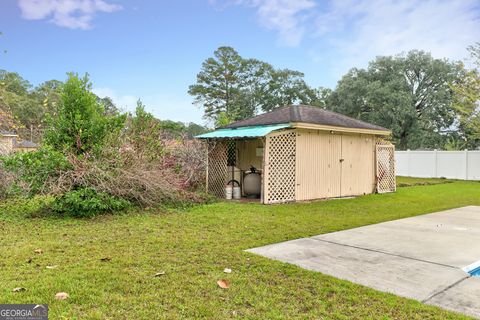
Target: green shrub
[[33, 169], [80, 125], [93, 162], [19, 208], [86, 202]]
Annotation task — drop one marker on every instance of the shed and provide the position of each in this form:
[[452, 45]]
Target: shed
[[7, 141], [25, 146], [302, 153]]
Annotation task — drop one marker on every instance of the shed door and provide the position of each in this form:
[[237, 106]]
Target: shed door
[[357, 165], [318, 165], [334, 165]]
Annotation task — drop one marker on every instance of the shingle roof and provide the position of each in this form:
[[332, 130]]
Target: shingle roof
[[305, 114]]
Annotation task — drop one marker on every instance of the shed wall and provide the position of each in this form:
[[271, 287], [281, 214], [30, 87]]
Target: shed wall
[[247, 154], [358, 167], [333, 164], [318, 168], [6, 144], [17, 149]]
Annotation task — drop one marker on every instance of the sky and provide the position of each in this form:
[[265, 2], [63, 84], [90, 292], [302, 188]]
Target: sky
[[153, 49]]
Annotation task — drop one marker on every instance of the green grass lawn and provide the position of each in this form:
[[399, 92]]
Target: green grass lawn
[[411, 181], [107, 265]]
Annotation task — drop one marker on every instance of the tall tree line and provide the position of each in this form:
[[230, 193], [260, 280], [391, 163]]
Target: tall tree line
[[426, 102], [25, 108], [410, 94], [230, 87]]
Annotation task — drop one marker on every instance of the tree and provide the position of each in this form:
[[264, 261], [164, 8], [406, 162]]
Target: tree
[[15, 98], [285, 87], [49, 94], [467, 103], [217, 86], [13, 82], [144, 132], [193, 129], [231, 88], [108, 106], [29, 105], [475, 54], [80, 125], [26, 104], [43, 99], [7, 122], [253, 85], [175, 129], [320, 97], [409, 94]]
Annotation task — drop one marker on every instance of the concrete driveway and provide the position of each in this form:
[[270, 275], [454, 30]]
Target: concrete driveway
[[422, 257]]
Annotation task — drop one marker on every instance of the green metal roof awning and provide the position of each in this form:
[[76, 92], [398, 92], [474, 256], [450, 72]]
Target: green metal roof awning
[[243, 132]]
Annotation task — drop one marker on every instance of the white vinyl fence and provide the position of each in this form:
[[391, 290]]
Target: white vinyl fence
[[463, 165]]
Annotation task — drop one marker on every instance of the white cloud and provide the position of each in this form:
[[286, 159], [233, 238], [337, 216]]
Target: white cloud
[[74, 14], [360, 30], [287, 17], [349, 33]]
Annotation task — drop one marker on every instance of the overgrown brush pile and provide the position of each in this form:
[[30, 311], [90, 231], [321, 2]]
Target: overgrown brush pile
[[94, 163]]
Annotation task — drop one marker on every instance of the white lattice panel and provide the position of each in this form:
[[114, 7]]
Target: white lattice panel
[[280, 180], [385, 168], [217, 168]]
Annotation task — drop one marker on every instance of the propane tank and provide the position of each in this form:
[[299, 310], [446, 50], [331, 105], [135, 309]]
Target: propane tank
[[233, 191]]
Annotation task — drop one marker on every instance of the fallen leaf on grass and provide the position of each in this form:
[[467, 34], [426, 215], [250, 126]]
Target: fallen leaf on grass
[[224, 284], [61, 296], [105, 259], [19, 289], [38, 251], [51, 267], [159, 274], [227, 270]]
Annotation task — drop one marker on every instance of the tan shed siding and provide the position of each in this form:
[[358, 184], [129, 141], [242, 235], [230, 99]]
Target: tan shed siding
[[6, 144], [318, 166], [247, 154], [16, 149], [358, 167], [320, 173]]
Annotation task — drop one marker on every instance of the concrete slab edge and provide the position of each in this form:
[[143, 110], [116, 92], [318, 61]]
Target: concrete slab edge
[[444, 289]]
